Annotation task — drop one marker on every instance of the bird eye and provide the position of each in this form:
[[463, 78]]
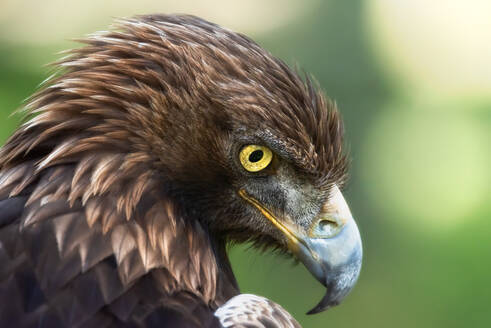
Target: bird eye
[[255, 158]]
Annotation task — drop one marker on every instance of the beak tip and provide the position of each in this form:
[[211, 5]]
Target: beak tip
[[322, 307], [333, 297], [339, 278]]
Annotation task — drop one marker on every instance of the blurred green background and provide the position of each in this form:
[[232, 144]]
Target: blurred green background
[[413, 81]]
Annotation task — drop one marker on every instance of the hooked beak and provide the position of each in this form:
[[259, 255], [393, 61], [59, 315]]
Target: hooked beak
[[331, 250]]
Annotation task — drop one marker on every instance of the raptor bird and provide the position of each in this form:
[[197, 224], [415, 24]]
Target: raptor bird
[[154, 146]]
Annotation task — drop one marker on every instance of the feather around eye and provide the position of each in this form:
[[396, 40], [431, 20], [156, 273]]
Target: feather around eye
[[255, 158]]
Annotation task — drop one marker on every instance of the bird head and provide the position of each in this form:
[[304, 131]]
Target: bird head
[[243, 143], [254, 151]]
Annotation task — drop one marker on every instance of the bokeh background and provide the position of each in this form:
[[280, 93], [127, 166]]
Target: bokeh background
[[413, 81]]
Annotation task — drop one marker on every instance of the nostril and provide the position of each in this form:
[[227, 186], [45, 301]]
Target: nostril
[[326, 228]]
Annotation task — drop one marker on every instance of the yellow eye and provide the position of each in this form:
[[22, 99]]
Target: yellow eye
[[254, 158]]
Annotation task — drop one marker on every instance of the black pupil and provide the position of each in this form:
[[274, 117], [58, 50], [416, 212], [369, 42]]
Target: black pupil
[[255, 156]]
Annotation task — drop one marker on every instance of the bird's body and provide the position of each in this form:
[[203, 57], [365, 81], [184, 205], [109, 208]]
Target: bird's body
[[120, 192]]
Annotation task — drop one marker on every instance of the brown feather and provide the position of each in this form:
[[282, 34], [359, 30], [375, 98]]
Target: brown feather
[[137, 122]]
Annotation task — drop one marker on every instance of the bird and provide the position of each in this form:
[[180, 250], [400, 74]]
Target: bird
[[153, 147]]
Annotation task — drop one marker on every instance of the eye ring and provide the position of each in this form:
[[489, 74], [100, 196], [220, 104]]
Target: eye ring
[[255, 158]]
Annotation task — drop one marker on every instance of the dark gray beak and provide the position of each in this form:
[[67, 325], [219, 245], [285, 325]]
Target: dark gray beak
[[333, 251]]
